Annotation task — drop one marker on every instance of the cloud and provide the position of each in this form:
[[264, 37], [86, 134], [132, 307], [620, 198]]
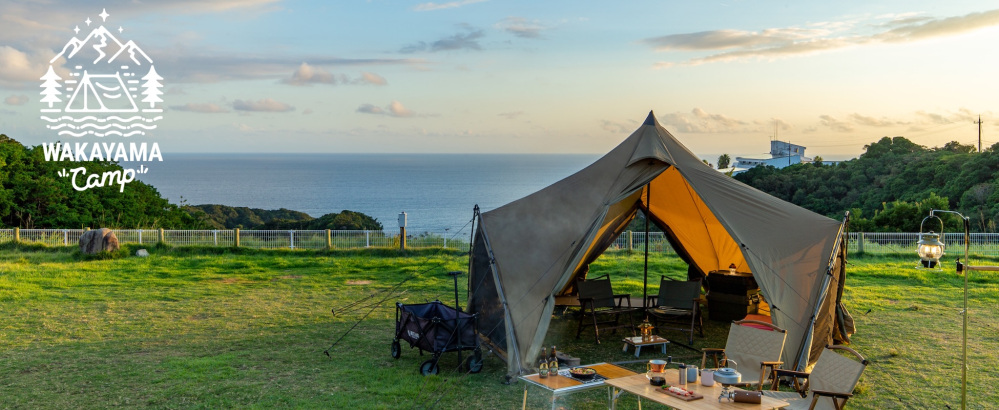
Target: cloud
[[467, 40], [19, 69], [521, 27], [701, 121], [619, 127], [730, 45], [511, 115], [430, 6], [207, 108], [835, 124], [394, 109], [874, 122], [306, 74], [16, 100], [264, 105], [371, 78]]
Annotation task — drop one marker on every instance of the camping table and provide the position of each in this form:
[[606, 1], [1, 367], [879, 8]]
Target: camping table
[[639, 386], [560, 385], [639, 342]]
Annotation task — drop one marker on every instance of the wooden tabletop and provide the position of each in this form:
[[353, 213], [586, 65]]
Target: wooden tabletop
[[556, 382], [640, 341], [639, 385]]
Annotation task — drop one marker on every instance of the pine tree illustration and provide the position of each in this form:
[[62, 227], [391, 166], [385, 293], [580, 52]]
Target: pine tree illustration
[[152, 87], [51, 86]]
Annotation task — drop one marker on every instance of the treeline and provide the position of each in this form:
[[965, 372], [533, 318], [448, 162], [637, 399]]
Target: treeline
[[893, 186], [33, 195], [228, 217]]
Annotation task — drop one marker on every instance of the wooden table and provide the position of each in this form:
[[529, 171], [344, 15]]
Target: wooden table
[[639, 342], [561, 385], [639, 385]]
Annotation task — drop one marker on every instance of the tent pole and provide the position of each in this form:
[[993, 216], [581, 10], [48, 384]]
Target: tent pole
[[645, 279]]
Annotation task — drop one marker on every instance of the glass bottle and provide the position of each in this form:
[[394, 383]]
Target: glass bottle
[[553, 363], [543, 364]]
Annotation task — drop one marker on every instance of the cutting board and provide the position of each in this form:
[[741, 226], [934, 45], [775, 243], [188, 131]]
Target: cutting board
[[692, 397]]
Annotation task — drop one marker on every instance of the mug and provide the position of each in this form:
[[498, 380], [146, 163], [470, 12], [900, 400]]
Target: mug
[[656, 366], [707, 377], [691, 373]]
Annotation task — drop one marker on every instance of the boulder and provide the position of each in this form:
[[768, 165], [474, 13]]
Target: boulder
[[142, 253], [98, 240]]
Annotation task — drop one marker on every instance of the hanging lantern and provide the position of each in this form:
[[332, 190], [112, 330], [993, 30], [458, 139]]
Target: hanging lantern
[[930, 249]]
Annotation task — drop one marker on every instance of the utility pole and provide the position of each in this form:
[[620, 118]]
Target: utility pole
[[979, 132]]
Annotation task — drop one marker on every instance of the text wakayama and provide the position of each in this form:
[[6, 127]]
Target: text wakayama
[[104, 151]]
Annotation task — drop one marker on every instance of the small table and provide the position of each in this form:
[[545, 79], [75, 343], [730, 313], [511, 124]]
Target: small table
[[639, 385], [638, 342], [560, 385]]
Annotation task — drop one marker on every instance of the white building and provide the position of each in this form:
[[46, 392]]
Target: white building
[[782, 154]]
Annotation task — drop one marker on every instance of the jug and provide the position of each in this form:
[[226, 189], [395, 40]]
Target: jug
[[656, 372]]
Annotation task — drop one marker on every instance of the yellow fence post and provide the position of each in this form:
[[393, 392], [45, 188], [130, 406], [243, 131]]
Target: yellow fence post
[[162, 237], [235, 236], [17, 235], [329, 239]]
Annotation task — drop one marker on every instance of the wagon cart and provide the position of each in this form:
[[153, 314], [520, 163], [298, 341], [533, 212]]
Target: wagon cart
[[437, 328]]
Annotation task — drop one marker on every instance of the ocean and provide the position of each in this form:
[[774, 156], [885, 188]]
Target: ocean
[[437, 191]]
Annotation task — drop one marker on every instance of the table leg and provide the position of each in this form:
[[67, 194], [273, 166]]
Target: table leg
[[625, 348], [638, 351], [553, 401], [639, 402], [664, 348], [524, 406]]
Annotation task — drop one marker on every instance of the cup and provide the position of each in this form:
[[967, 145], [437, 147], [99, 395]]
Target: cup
[[691, 373], [707, 377]]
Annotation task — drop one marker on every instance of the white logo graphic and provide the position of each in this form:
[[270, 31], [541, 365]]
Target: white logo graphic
[[102, 98]]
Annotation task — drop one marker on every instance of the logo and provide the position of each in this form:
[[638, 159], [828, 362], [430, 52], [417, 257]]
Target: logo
[[107, 104]]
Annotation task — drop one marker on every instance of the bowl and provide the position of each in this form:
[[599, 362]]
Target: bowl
[[584, 373]]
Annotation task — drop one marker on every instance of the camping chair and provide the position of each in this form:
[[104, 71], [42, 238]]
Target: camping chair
[[596, 298], [829, 385], [751, 348], [677, 303]]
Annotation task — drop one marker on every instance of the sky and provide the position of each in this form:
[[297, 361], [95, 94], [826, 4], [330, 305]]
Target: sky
[[505, 76]]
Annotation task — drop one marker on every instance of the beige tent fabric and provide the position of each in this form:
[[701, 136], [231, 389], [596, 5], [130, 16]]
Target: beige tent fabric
[[537, 244]]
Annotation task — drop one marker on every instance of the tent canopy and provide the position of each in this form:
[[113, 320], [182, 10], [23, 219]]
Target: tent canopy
[[530, 250]]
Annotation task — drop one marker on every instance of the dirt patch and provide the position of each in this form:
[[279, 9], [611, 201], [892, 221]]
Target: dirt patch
[[291, 277], [230, 281], [358, 282]]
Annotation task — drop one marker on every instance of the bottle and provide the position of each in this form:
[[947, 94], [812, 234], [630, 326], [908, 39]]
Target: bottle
[[543, 364], [683, 375], [553, 363]]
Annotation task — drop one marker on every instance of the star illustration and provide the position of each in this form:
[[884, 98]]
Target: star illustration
[[120, 29], [77, 30], [104, 15], [87, 21]]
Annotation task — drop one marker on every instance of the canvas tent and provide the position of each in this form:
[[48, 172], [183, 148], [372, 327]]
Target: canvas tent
[[530, 250]]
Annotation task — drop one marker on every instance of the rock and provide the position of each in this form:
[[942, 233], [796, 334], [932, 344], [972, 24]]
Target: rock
[[98, 240], [142, 253]]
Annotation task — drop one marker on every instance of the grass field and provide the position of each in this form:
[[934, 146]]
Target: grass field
[[223, 328]]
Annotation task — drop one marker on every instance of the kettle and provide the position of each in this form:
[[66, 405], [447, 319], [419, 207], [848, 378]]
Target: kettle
[[728, 375]]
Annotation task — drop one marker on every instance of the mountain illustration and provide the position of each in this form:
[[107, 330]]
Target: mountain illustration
[[103, 44]]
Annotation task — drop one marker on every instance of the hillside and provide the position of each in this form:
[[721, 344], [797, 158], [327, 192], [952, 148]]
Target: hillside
[[893, 185]]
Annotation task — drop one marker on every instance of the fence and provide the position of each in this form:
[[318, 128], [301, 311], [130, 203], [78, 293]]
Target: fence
[[283, 239], [878, 243]]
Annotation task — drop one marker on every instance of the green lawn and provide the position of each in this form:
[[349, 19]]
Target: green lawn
[[217, 328]]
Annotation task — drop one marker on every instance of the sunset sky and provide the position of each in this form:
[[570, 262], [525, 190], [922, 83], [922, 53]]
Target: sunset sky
[[483, 76]]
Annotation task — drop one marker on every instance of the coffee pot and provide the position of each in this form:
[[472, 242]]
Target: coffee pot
[[656, 372]]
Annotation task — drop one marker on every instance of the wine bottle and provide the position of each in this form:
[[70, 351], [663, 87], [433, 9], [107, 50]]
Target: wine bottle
[[553, 363], [543, 364]]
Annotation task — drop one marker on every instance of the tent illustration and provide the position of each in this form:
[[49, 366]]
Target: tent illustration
[[101, 93], [529, 251]]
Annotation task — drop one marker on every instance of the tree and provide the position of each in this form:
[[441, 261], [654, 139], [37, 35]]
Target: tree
[[51, 86], [152, 87], [817, 161], [723, 161]]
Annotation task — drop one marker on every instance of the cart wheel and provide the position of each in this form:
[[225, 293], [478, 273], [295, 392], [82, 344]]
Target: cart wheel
[[428, 367], [474, 362], [396, 349]]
